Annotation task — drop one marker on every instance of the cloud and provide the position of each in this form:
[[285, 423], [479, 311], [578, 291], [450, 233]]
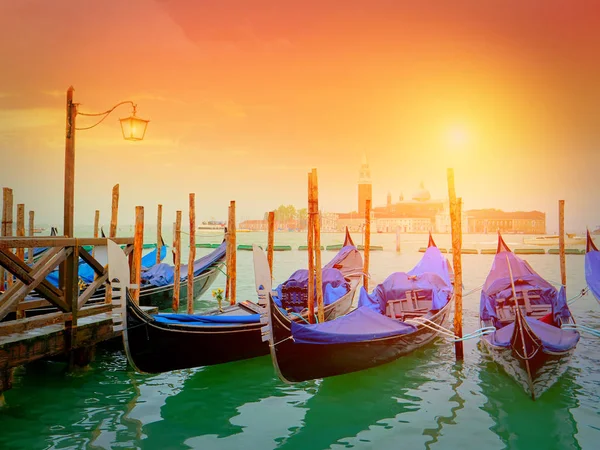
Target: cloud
[[26, 118]]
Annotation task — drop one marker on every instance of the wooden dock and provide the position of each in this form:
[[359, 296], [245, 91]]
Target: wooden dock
[[62, 319]]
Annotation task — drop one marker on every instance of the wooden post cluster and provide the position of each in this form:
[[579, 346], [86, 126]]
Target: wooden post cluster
[[230, 288], [138, 244], [270, 241], [177, 261], [367, 244], [455, 218], [561, 242], [190, 278], [31, 234], [158, 233]]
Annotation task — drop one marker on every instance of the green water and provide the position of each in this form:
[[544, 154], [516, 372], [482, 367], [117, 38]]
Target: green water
[[424, 400]]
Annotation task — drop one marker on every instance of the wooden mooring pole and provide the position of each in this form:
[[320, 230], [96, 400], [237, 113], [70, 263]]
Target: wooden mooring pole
[[367, 243], [455, 220], [177, 261], [561, 242], [96, 226], [397, 239], [270, 240], [114, 211], [20, 229], [158, 233], [233, 269], [228, 255], [7, 225], [138, 244], [311, 256], [31, 234], [190, 277], [317, 248]]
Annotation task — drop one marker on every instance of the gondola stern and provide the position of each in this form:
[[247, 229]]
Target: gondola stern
[[590, 246], [502, 247], [348, 239]]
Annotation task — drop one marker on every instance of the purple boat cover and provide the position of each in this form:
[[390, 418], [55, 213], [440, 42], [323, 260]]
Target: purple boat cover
[[553, 338], [164, 274], [431, 275], [348, 260], [498, 285], [360, 325], [198, 320], [592, 272]]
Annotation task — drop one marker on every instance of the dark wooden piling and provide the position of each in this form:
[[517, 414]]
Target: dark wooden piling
[[367, 244], [138, 244], [311, 256], [317, 248], [190, 278], [96, 228], [455, 219], [397, 239], [177, 261], [233, 262], [561, 242], [31, 232], [270, 240], [158, 233]]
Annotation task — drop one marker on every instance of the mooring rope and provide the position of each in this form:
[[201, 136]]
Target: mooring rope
[[472, 291], [579, 327], [583, 292], [283, 340]]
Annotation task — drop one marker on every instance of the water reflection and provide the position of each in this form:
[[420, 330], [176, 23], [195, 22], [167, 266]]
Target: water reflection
[[360, 408], [228, 405], [522, 423]]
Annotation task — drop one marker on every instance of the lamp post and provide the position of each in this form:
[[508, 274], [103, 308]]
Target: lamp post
[[132, 127]]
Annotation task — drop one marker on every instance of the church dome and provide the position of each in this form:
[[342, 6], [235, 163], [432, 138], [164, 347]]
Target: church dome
[[422, 194]]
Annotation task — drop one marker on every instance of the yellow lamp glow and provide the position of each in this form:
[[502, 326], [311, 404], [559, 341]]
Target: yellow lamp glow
[[133, 128], [457, 137]]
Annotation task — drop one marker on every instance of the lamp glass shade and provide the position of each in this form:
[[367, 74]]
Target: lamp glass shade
[[133, 128]]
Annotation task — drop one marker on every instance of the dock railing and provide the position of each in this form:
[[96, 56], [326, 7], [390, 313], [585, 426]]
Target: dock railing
[[68, 298]]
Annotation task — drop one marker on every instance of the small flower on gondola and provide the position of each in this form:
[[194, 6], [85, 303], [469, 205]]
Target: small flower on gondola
[[218, 294]]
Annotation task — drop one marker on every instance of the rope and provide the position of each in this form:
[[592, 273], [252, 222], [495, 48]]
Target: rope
[[292, 313], [579, 327], [473, 291], [583, 292], [283, 340]]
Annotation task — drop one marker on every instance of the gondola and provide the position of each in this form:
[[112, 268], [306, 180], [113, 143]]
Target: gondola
[[165, 342], [402, 314], [528, 342], [592, 267]]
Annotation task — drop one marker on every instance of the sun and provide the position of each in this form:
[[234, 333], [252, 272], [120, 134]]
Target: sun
[[457, 137]]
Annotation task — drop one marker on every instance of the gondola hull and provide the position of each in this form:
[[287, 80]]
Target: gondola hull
[[297, 362], [545, 367], [155, 347]]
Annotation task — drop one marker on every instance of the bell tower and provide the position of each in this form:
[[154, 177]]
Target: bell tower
[[364, 186]]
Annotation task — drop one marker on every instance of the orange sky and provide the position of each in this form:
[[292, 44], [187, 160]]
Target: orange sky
[[244, 97]]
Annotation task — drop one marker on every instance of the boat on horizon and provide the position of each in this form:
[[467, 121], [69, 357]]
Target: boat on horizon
[[553, 240]]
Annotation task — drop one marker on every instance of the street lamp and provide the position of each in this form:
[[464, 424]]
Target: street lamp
[[132, 127]]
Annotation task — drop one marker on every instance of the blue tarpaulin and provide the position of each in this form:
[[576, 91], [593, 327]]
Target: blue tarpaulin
[[592, 272], [360, 325], [87, 274], [164, 274], [431, 275], [553, 338], [199, 320], [334, 285], [498, 285]]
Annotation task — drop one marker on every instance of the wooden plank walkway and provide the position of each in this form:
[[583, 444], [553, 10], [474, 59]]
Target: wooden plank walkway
[[28, 345]]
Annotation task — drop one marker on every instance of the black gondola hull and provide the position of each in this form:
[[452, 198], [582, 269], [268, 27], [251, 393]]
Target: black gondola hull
[[295, 362], [154, 347]]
